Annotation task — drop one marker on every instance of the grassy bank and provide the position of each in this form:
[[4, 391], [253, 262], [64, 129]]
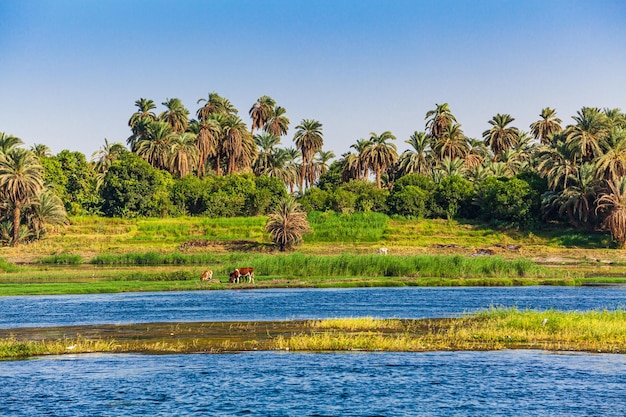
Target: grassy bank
[[593, 331]]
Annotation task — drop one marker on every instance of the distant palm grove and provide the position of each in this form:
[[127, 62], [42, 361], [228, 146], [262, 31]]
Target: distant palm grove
[[214, 164]]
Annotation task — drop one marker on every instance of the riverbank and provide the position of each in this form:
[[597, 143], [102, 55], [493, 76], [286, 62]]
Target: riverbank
[[593, 331]]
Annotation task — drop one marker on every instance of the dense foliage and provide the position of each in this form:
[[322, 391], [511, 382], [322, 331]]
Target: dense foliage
[[213, 165]]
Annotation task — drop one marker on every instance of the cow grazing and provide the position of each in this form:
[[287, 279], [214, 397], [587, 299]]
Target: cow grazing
[[235, 276], [207, 275], [382, 251]]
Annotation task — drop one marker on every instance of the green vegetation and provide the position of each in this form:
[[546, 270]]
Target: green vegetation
[[592, 331]]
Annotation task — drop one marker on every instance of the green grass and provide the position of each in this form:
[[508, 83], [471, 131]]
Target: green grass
[[336, 227]]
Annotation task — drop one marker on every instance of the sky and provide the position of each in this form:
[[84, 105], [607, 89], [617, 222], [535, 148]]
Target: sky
[[71, 70]]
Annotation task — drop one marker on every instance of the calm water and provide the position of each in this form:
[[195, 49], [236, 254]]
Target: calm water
[[505, 383], [281, 304]]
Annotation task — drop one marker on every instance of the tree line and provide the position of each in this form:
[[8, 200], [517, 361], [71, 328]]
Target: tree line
[[215, 165]]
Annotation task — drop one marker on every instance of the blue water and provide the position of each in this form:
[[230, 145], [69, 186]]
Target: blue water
[[282, 304], [501, 383]]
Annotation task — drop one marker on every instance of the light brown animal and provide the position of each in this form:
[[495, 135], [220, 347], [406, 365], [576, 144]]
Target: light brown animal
[[207, 275], [235, 276]]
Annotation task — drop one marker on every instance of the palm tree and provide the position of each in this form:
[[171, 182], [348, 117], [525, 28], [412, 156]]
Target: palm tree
[[215, 104], [356, 164], [451, 143], [476, 154], [612, 162], [155, 147], [8, 142], [548, 125], [615, 117], [380, 154], [614, 203], [416, 160], [287, 224], [438, 119], [183, 154], [309, 139], [500, 136], [261, 112], [176, 115], [140, 120], [266, 143], [321, 163], [578, 199], [293, 164], [46, 210], [234, 134], [104, 157], [40, 150], [208, 141], [556, 163], [585, 136], [278, 123], [21, 181], [449, 167]]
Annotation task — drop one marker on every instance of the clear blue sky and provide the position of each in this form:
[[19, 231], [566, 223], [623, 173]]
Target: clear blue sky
[[71, 70]]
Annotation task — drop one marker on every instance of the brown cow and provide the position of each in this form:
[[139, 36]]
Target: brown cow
[[207, 275], [236, 275]]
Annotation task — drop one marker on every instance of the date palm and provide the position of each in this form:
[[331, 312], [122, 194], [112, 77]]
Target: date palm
[[235, 134], [215, 104], [501, 136], [477, 153], [548, 125], [612, 162], [40, 150], [208, 142], [578, 199], [104, 156], [452, 143], [21, 181], [8, 142], [416, 159], [176, 115], [287, 224], [46, 210], [380, 154], [144, 112], [449, 167], [266, 144], [585, 136], [260, 112], [183, 154], [613, 203], [309, 139], [155, 147], [321, 163], [278, 123], [438, 119], [556, 163]]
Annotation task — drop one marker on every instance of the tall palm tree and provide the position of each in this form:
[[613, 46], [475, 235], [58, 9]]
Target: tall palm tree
[[140, 120], [578, 199], [293, 164], [548, 125], [21, 181], [266, 143], [613, 202], [309, 139], [155, 147], [615, 117], [8, 142], [477, 153], [416, 159], [261, 112], [321, 163], [500, 136], [235, 133], [585, 136], [40, 150], [380, 154], [451, 143], [448, 167], [278, 123], [438, 119], [612, 162], [176, 115], [356, 163], [183, 154], [287, 224], [104, 157], [208, 141], [556, 163], [215, 104]]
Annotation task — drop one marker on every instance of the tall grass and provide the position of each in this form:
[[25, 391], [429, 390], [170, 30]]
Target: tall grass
[[350, 228], [7, 266], [297, 264]]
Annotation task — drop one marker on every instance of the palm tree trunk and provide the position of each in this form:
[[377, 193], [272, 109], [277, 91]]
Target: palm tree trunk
[[378, 184], [302, 175], [16, 225]]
